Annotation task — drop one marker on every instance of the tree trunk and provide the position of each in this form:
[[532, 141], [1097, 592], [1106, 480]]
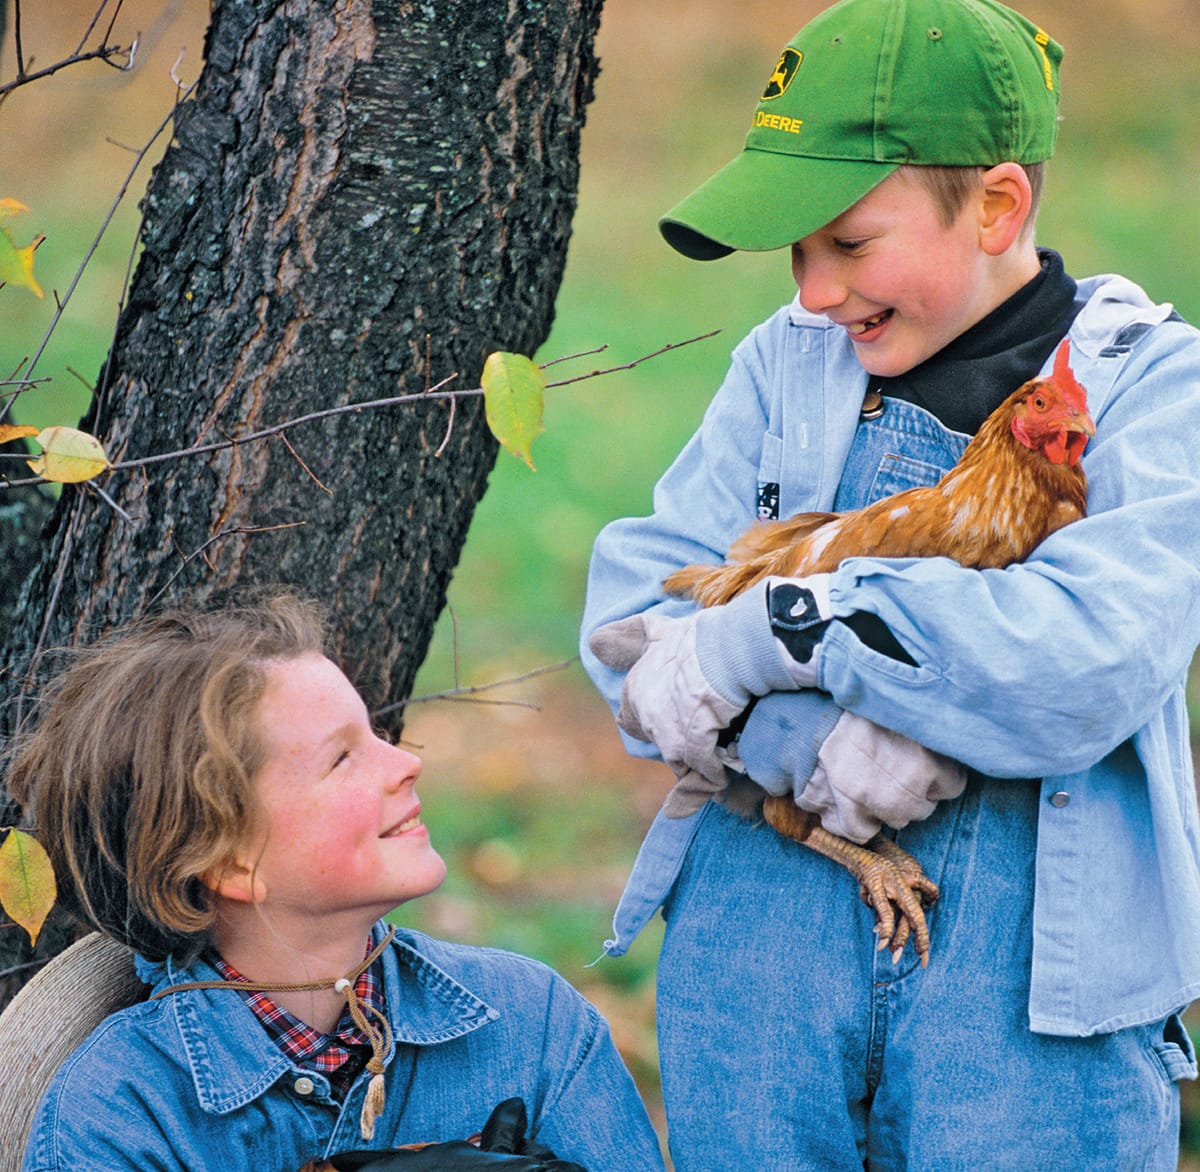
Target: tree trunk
[[360, 200]]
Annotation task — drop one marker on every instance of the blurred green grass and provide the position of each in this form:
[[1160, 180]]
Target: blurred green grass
[[538, 811]]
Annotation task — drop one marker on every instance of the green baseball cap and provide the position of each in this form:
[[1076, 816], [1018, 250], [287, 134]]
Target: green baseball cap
[[866, 86]]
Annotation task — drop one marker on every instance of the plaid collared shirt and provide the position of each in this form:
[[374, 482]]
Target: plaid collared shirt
[[340, 1055]]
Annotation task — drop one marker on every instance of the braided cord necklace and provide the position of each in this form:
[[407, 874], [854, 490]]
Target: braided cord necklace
[[379, 1036]]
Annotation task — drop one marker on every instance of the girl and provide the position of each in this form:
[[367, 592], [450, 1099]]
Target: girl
[[213, 794]]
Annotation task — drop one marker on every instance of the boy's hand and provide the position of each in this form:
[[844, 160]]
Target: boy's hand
[[690, 676], [867, 777]]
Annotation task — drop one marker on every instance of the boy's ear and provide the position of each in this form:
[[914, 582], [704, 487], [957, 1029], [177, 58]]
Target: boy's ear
[[235, 882], [1005, 206]]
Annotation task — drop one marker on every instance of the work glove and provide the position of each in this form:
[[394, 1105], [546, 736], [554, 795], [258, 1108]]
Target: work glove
[[867, 777], [689, 677], [503, 1147]]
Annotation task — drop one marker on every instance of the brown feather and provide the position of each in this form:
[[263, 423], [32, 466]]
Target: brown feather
[[992, 509]]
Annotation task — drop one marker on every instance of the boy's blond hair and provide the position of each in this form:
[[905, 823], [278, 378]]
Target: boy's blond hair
[[951, 187], [139, 774]]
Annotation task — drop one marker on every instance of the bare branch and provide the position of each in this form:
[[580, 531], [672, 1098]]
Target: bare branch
[[636, 362], [471, 692], [202, 550], [311, 475], [112, 211], [105, 51], [353, 408], [94, 487], [572, 357]]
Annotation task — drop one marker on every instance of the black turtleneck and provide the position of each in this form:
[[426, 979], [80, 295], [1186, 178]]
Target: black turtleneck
[[967, 380]]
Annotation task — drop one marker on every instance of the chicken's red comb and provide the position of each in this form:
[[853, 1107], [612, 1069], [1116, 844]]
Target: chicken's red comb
[[1063, 377]]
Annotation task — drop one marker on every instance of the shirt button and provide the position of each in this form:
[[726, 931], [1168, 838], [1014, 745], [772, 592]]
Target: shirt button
[[1060, 799], [304, 1086]]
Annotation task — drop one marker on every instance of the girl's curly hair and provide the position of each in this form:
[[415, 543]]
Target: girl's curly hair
[[139, 773]]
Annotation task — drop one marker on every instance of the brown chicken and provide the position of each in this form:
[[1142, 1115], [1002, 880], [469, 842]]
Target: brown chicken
[[1017, 482]]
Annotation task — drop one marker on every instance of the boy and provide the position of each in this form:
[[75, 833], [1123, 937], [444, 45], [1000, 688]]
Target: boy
[[898, 149], [213, 794]]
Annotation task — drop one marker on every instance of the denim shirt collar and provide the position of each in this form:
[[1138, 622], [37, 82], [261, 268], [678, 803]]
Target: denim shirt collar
[[232, 1059]]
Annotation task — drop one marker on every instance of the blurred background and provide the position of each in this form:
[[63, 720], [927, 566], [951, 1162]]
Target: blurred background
[[527, 789]]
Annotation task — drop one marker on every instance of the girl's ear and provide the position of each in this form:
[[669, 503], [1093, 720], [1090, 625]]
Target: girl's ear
[[236, 882], [1004, 207]]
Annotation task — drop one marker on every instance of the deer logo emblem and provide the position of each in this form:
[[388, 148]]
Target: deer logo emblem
[[789, 62]]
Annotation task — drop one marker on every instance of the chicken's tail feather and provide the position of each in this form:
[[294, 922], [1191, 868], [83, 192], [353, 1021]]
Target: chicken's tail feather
[[765, 549], [712, 585]]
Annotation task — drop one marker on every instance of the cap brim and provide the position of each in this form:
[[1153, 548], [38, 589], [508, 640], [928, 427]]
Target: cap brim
[[764, 200]]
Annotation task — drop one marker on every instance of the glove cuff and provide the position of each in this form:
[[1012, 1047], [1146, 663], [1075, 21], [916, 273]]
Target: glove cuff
[[737, 650]]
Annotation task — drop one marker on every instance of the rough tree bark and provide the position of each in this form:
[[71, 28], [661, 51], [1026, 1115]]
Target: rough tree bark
[[360, 198]]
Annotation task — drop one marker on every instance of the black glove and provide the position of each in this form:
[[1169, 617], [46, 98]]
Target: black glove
[[503, 1145]]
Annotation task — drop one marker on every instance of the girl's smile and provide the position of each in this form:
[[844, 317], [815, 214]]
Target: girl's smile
[[344, 831]]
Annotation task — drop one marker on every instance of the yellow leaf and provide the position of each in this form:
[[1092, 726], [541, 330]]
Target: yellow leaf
[[12, 431], [16, 264], [513, 394], [68, 456], [27, 888]]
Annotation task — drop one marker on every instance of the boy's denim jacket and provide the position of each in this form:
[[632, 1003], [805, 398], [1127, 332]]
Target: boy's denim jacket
[[1070, 667], [192, 1081]]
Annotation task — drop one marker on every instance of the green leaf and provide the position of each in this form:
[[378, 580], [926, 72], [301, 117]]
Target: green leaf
[[16, 264], [27, 889], [514, 390]]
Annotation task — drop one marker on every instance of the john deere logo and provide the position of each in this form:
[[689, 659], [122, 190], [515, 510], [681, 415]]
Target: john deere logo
[[789, 62]]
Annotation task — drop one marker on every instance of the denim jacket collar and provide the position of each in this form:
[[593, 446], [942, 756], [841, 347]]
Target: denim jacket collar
[[232, 1059]]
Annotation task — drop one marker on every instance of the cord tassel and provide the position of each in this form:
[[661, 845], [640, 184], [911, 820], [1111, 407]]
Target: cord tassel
[[381, 1040], [372, 1104]]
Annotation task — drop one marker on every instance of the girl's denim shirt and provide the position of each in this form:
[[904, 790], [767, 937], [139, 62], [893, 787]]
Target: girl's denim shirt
[[192, 1081], [1069, 668]]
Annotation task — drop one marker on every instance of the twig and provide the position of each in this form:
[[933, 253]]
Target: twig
[[462, 692], [449, 430], [311, 474], [60, 573], [105, 52], [572, 357], [112, 24], [353, 408], [174, 75], [17, 38], [636, 362], [112, 211], [200, 552], [454, 643], [91, 28], [20, 968], [94, 487]]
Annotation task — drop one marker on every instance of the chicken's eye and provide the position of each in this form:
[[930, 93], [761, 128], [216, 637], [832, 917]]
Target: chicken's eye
[[1039, 401]]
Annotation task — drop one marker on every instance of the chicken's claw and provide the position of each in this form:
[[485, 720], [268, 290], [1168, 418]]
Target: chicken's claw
[[891, 880], [893, 883]]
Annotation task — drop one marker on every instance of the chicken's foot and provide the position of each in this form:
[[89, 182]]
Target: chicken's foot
[[890, 880]]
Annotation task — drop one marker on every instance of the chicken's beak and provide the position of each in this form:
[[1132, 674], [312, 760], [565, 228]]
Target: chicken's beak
[[1080, 421], [1078, 428]]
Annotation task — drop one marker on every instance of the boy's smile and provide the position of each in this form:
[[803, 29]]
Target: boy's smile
[[901, 282]]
